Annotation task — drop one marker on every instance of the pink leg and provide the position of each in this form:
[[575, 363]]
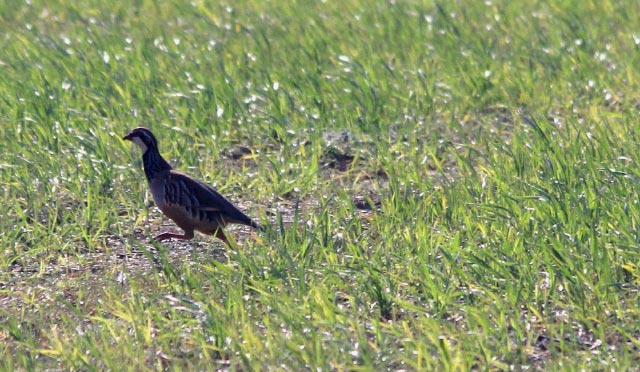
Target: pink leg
[[167, 235], [220, 235]]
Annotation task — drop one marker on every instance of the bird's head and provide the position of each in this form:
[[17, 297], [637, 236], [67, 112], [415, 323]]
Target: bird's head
[[143, 138]]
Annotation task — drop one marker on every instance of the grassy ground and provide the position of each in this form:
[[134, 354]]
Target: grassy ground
[[448, 186]]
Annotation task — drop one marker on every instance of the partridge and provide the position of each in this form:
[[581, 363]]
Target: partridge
[[190, 203]]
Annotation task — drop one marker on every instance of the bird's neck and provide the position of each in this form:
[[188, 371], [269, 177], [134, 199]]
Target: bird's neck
[[154, 163]]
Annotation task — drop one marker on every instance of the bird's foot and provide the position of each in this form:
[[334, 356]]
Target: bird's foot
[[222, 236], [168, 235]]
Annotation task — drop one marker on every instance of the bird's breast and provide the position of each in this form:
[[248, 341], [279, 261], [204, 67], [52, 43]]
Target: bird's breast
[[158, 191]]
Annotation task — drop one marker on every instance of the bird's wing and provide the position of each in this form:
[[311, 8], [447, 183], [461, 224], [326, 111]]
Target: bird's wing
[[200, 196]]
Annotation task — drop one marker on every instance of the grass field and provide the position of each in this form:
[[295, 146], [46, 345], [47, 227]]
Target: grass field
[[448, 186]]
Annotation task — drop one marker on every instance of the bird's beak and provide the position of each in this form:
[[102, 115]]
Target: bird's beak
[[128, 137]]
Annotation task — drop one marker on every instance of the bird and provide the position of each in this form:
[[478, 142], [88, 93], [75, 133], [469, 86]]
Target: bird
[[190, 203]]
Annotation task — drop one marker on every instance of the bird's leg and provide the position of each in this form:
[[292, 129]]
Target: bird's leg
[[188, 235], [222, 236], [228, 240]]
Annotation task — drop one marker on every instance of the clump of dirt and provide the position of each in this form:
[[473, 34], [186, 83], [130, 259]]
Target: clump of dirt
[[237, 152], [367, 202], [340, 150], [337, 159]]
